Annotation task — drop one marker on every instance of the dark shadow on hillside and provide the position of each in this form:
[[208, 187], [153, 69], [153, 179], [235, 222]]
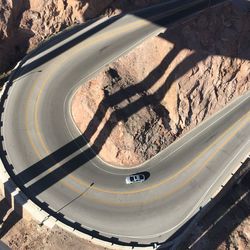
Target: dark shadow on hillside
[[15, 45], [222, 219]]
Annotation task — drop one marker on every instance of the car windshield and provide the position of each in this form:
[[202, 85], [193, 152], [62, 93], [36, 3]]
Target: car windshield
[[141, 177], [131, 178]]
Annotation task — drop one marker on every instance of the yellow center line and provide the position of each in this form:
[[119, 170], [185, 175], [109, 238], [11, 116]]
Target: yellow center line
[[82, 183], [177, 188], [166, 180], [196, 158], [91, 41], [27, 127]]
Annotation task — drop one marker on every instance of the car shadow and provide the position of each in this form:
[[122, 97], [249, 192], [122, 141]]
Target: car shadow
[[146, 174]]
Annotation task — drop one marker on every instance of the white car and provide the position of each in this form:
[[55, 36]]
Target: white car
[[135, 178]]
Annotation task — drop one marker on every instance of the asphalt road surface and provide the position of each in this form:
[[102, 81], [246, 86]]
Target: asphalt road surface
[[55, 166]]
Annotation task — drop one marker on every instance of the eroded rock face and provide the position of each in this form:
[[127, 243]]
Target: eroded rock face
[[165, 87], [14, 40], [25, 23]]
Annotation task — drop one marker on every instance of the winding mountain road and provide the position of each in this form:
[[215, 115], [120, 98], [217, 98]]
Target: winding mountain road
[[51, 162]]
